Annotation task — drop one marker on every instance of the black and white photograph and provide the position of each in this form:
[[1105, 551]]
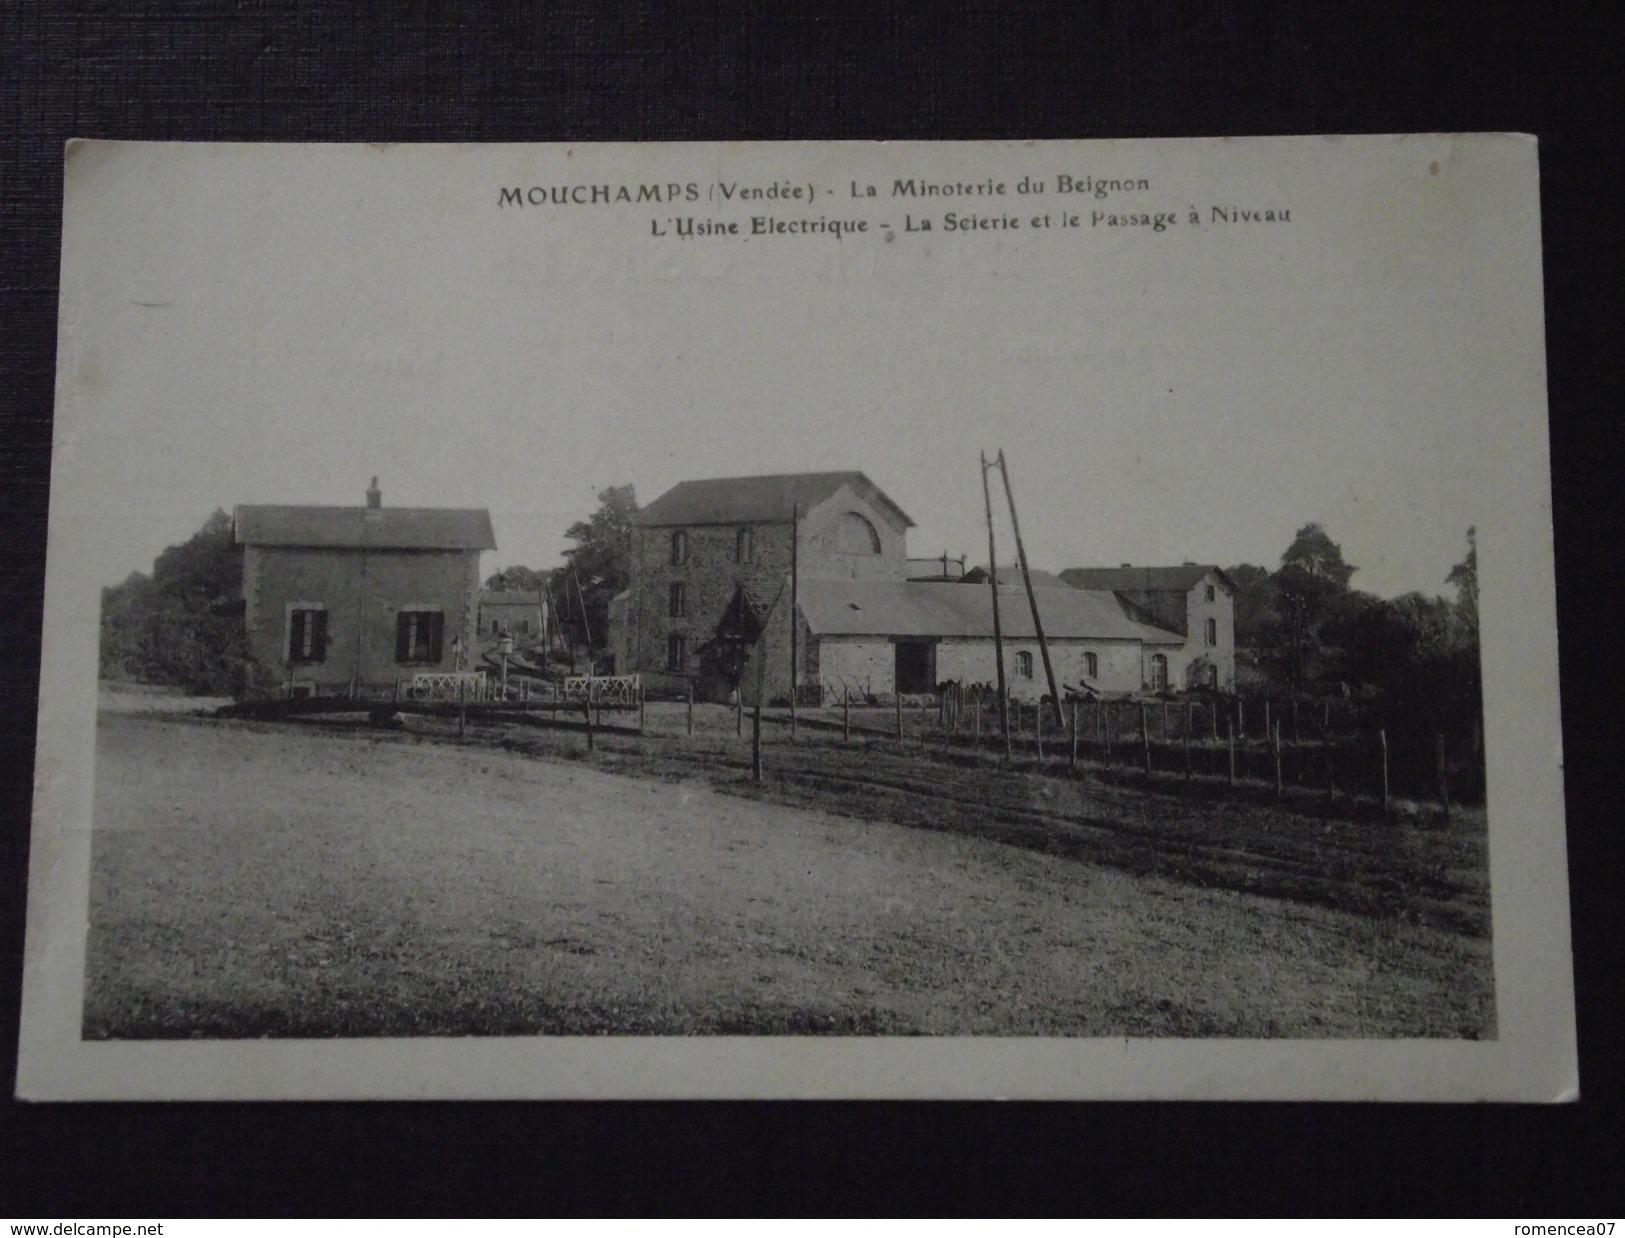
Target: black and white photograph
[[801, 619]]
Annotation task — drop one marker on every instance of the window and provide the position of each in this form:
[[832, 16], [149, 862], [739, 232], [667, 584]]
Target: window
[[495, 626], [679, 547], [419, 635], [307, 634], [1211, 593], [524, 627], [1210, 632], [1213, 677], [1091, 665], [742, 546], [1024, 664], [676, 652], [1159, 673], [677, 603], [856, 536]]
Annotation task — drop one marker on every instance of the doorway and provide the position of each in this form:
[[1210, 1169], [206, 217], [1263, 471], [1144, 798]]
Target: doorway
[[916, 668]]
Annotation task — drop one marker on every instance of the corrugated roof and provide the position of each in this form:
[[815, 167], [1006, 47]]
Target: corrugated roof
[[368, 528], [929, 608], [755, 500], [510, 597], [1180, 579]]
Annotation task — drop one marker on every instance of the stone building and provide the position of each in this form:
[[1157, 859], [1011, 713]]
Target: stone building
[[519, 613], [1194, 600], [874, 639], [335, 596], [710, 604], [712, 560]]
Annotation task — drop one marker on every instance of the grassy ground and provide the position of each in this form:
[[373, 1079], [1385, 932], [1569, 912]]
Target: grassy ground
[[276, 879]]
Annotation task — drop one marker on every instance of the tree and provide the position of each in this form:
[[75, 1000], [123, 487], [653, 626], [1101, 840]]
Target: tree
[[599, 565], [527, 579], [183, 625], [1315, 555]]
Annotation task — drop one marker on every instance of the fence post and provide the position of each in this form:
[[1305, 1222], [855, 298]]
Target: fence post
[[756, 739], [1072, 760], [1214, 708], [1275, 743], [1444, 778], [586, 708], [1241, 717], [1268, 730], [1230, 736], [846, 715], [1038, 730], [897, 708], [739, 712], [1108, 729], [462, 711], [1382, 742], [1165, 722], [691, 707], [1295, 736], [1145, 737]]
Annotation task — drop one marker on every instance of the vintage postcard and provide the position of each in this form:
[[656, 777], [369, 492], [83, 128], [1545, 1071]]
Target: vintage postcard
[[1056, 619]]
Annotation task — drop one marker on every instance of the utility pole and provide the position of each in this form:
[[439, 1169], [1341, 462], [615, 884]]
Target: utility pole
[[1032, 599], [586, 625], [795, 573], [998, 631]]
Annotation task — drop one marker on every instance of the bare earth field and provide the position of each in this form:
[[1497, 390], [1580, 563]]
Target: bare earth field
[[284, 879]]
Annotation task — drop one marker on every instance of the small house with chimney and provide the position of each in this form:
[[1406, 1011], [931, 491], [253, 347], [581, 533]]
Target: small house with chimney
[[362, 596]]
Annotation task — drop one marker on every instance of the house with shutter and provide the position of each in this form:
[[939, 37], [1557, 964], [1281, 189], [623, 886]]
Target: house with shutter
[[335, 597]]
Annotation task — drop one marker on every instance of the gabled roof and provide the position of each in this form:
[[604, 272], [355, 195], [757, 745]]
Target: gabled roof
[[1010, 574], [755, 500], [365, 528], [951, 609], [510, 597], [1180, 579]]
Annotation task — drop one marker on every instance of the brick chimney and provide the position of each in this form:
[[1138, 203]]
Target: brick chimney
[[375, 496]]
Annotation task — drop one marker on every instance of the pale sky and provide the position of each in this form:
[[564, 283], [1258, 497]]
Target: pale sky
[[279, 324]]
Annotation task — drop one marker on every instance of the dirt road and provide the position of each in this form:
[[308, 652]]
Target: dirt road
[[259, 880]]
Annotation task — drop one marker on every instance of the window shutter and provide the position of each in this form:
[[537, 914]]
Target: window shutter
[[296, 634], [437, 631], [403, 636], [318, 636]]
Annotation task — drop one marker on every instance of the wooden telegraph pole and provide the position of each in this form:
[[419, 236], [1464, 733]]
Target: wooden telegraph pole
[[998, 631], [1032, 598], [795, 537]]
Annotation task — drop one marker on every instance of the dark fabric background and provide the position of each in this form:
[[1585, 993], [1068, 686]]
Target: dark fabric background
[[299, 69]]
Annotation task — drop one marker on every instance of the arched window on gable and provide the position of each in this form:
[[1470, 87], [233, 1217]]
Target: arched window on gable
[[856, 536]]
